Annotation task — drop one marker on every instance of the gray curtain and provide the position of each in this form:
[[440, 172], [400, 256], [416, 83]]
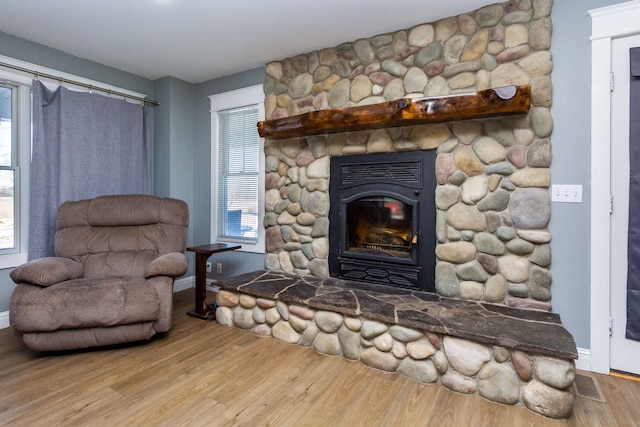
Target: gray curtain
[[84, 145], [633, 249]]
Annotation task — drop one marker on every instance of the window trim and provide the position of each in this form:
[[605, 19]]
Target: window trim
[[252, 95], [10, 259]]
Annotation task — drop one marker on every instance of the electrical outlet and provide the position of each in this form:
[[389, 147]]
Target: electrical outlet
[[566, 193], [219, 268], [208, 267]]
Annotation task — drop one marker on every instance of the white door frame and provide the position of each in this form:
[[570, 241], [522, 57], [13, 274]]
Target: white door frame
[[607, 23]]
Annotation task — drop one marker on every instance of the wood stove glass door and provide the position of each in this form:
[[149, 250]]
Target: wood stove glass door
[[380, 226]]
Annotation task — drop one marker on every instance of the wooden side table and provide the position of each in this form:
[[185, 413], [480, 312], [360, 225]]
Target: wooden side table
[[203, 310]]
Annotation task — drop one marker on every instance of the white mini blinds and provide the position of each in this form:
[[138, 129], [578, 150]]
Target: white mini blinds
[[238, 174]]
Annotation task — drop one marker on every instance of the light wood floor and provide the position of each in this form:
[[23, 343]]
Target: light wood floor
[[205, 374]]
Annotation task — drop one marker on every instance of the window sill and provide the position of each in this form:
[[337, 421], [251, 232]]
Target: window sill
[[12, 260], [245, 247]]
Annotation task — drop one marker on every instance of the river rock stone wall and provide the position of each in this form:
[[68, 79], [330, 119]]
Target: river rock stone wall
[[502, 375], [492, 199]]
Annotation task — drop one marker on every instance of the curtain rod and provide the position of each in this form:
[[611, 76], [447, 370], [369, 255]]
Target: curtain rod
[[37, 74]]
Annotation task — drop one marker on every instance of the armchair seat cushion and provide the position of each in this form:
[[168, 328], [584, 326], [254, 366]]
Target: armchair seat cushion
[[85, 303]]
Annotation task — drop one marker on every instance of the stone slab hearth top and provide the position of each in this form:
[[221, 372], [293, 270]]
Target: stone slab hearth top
[[530, 331]]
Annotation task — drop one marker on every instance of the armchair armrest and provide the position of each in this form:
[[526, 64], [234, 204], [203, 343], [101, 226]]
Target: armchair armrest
[[173, 264], [47, 271]]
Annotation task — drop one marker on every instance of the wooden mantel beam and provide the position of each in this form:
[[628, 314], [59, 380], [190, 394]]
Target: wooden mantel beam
[[507, 100]]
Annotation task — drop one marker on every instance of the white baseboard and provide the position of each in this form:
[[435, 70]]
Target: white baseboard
[[4, 319], [584, 359], [190, 282], [184, 283]]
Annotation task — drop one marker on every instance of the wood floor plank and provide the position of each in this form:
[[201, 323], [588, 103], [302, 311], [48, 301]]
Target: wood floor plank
[[623, 398], [588, 412], [332, 392], [415, 405], [298, 393], [197, 412], [366, 409], [203, 374], [255, 407]]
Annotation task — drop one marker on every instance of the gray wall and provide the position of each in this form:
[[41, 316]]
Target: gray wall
[[174, 146], [571, 111], [233, 263], [25, 50]]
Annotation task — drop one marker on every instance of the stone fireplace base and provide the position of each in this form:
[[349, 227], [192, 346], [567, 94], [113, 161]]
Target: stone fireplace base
[[507, 355]]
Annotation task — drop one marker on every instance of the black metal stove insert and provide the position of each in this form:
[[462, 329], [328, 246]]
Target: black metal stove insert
[[382, 219]]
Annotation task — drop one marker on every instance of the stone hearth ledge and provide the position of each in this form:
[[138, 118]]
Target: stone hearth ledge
[[531, 331], [506, 355]]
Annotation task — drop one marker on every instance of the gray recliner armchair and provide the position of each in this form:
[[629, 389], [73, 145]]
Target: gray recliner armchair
[[111, 280]]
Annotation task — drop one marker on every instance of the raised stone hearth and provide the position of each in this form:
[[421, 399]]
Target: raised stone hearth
[[507, 355]]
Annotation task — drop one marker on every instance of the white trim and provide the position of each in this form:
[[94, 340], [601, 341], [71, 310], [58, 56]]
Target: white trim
[[4, 319], [222, 101], [184, 283], [18, 256], [584, 359], [607, 23], [614, 21]]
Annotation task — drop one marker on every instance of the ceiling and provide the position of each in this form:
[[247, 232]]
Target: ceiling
[[197, 40]]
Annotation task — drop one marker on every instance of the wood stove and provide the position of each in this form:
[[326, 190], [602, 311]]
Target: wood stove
[[382, 219]]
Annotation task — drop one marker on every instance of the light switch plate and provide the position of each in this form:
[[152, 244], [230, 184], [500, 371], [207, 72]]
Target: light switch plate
[[566, 193]]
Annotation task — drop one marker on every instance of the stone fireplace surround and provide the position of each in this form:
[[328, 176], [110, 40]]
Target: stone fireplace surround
[[492, 202]]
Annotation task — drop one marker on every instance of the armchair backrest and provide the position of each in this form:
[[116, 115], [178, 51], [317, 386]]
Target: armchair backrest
[[119, 235]]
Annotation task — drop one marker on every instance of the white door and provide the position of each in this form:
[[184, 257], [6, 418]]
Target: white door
[[625, 354]]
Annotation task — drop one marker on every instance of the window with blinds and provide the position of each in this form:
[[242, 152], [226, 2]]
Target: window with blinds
[[238, 169]]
